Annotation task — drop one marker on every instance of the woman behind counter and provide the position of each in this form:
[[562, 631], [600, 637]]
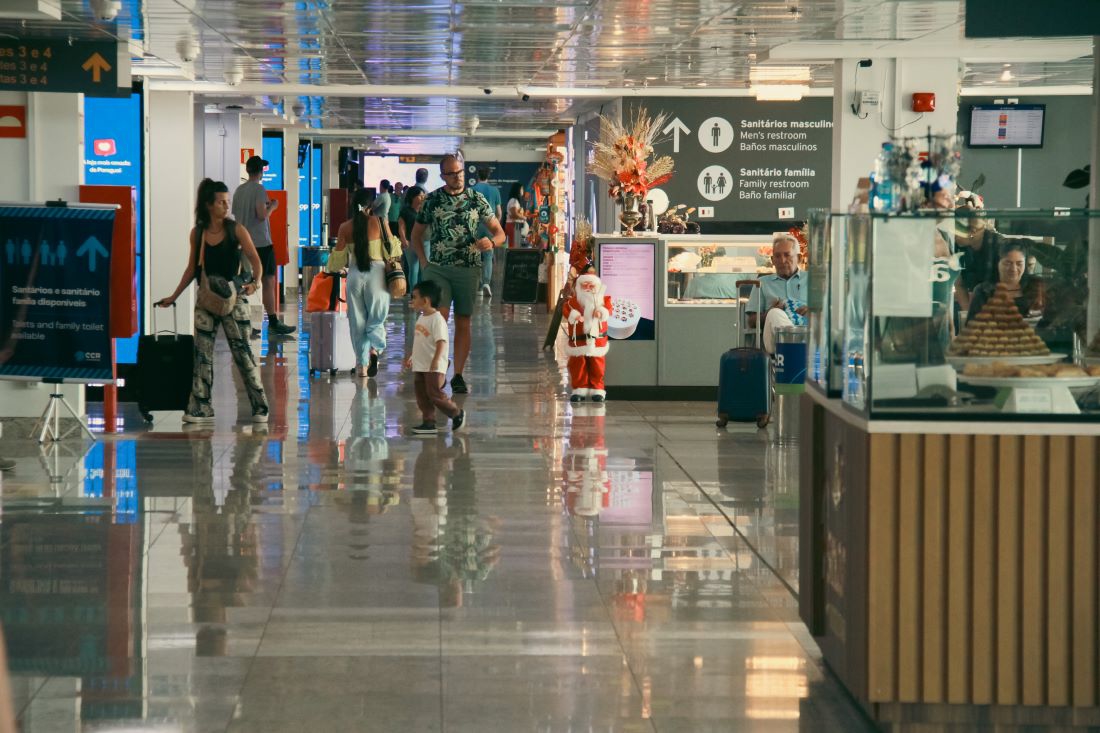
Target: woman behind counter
[[217, 245], [1026, 291]]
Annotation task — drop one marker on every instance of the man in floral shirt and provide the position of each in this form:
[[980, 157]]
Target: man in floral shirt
[[450, 218]]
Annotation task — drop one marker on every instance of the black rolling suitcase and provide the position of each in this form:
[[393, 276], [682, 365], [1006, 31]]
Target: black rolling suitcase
[[744, 375], [164, 369]]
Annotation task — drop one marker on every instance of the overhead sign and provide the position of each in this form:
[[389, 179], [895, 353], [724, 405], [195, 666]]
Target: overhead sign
[[55, 292], [95, 68], [744, 160]]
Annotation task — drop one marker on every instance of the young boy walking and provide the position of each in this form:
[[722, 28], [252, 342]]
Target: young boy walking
[[429, 361]]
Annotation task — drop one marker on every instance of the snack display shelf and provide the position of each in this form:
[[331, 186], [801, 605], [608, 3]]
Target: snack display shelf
[[1031, 382], [964, 361]]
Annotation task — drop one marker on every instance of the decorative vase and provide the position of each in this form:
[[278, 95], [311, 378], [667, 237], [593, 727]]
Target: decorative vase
[[630, 216]]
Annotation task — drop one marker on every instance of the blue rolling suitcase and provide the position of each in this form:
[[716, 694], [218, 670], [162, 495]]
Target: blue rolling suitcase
[[744, 389]]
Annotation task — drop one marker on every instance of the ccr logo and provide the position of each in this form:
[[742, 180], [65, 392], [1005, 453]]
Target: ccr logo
[[88, 356]]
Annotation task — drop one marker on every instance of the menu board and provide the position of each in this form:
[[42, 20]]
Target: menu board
[[627, 273], [1007, 126], [521, 275]]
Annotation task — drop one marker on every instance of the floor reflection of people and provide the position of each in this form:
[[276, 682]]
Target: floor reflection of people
[[373, 475], [220, 545], [452, 544]]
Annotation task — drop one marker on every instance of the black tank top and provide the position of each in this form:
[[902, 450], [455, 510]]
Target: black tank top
[[222, 259]]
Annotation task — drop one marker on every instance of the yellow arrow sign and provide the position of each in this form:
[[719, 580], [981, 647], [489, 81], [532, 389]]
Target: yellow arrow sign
[[97, 65]]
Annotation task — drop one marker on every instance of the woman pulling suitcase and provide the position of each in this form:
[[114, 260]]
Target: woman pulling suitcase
[[217, 245]]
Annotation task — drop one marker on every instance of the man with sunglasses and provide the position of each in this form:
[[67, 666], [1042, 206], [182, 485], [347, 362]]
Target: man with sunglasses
[[449, 218]]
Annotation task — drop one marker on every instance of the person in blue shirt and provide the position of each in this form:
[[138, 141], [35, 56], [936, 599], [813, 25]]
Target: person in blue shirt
[[784, 293], [492, 195]]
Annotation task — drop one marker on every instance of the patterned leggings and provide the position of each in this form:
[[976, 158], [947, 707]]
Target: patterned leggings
[[237, 327]]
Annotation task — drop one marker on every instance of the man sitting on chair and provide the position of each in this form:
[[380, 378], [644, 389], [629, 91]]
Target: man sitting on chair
[[783, 293]]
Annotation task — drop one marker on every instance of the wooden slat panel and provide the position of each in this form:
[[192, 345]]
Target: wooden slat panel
[[984, 569], [882, 561], [1033, 609], [934, 570], [1085, 571], [1009, 460], [1059, 539], [909, 570], [958, 565]]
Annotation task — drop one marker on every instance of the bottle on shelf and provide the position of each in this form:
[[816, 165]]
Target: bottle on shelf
[[884, 189]]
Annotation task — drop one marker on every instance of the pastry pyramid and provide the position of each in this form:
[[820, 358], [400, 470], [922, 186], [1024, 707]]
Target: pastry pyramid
[[998, 330]]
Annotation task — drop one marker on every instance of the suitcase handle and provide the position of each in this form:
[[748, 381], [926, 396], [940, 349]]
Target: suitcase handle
[[175, 323], [741, 326]]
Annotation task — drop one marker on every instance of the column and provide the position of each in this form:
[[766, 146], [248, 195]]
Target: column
[[1094, 200], [170, 143], [290, 183]]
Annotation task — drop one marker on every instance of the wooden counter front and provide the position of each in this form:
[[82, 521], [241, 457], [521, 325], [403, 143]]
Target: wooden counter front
[[954, 569]]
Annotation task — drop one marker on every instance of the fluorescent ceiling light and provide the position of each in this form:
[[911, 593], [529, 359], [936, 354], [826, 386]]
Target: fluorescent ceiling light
[[765, 74], [780, 92]]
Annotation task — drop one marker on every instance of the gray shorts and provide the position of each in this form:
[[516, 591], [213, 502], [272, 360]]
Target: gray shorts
[[458, 284]]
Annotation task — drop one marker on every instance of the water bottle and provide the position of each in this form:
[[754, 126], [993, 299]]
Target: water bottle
[[883, 188]]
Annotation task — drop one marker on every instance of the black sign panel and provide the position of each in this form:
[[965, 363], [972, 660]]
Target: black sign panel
[[55, 293], [55, 65], [738, 159], [1050, 18], [521, 275]]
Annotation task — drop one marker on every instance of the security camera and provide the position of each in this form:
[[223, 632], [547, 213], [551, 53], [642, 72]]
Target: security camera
[[233, 77], [526, 97], [106, 9], [298, 109], [487, 90], [188, 49]]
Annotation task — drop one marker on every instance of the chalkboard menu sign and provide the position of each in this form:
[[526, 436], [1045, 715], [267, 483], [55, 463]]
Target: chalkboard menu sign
[[521, 275]]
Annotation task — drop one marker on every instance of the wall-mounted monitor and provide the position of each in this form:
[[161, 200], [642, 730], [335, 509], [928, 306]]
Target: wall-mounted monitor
[[1006, 126]]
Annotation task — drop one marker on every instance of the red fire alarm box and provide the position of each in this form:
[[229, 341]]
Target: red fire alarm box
[[924, 102]]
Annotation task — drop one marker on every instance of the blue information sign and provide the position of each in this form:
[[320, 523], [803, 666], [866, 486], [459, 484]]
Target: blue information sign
[[54, 292], [273, 154]]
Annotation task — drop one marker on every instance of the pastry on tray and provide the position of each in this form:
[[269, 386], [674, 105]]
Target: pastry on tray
[[998, 330], [1029, 371]]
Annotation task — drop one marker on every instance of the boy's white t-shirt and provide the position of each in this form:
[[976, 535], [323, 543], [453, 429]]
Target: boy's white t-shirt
[[429, 330]]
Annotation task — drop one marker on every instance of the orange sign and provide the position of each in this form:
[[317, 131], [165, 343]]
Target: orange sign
[[247, 153], [13, 121]]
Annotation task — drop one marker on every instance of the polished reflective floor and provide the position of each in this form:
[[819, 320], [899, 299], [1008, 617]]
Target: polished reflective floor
[[554, 567]]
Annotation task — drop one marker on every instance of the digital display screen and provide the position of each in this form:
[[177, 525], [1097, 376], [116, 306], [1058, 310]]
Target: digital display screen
[[273, 154], [627, 273], [1007, 126]]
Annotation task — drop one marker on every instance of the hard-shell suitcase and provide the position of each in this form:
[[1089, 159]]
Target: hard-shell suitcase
[[330, 347], [744, 376], [164, 369]]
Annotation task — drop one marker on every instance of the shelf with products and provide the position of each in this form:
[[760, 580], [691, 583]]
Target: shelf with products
[[702, 270], [954, 314]]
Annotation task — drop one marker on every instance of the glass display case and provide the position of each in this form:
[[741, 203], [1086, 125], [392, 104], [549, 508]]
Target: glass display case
[[963, 314], [703, 270]]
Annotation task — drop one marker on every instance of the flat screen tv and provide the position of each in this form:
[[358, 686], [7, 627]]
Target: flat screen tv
[[1006, 125]]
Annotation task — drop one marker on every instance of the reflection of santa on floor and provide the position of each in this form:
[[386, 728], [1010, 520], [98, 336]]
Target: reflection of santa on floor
[[585, 315], [584, 465]]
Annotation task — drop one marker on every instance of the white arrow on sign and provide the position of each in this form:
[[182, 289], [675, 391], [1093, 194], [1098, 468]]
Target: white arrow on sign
[[676, 127]]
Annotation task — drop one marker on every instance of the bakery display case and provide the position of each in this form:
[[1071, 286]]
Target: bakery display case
[[956, 315], [703, 271]]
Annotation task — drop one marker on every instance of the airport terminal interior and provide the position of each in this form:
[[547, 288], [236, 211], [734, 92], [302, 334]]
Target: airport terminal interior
[[781, 409]]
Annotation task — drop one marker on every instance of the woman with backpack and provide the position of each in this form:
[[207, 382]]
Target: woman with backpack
[[217, 245]]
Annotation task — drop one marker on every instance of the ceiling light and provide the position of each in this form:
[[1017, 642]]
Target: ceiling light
[[779, 92], [765, 74], [1006, 75]]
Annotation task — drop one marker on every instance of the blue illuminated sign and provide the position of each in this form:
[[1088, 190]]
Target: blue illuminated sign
[[303, 200], [112, 157], [315, 198], [273, 154]]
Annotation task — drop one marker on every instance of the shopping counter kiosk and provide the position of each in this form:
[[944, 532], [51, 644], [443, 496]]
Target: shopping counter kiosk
[[949, 552], [675, 309]]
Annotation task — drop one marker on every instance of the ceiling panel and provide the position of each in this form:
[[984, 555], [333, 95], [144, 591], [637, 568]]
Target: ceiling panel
[[510, 44]]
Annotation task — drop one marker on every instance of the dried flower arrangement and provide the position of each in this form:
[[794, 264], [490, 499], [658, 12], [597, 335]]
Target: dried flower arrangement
[[621, 157]]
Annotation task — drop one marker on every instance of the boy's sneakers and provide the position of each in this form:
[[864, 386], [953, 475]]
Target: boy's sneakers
[[458, 385], [458, 421], [198, 419], [425, 428]]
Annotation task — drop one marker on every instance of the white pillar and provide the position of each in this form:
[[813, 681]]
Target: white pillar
[[52, 165], [290, 183], [222, 149], [171, 187], [857, 140]]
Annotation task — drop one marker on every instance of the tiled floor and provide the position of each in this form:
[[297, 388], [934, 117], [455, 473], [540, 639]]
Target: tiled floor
[[555, 568]]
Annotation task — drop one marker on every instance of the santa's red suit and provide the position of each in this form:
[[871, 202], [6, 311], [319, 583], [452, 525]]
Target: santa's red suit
[[585, 315], [584, 465]]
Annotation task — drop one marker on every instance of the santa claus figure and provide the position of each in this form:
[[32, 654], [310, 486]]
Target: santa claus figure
[[585, 314]]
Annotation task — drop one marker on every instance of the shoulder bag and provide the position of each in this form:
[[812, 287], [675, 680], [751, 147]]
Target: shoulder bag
[[396, 282], [221, 298]]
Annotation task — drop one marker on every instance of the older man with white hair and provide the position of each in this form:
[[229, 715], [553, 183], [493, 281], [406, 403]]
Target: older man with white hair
[[784, 293]]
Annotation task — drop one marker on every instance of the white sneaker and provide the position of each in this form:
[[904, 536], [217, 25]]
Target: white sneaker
[[197, 419], [486, 290], [259, 417]]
